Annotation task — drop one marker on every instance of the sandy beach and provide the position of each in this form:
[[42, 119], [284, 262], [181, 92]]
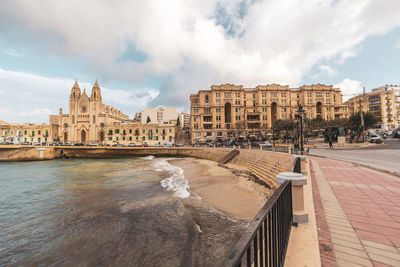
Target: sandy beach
[[223, 188]]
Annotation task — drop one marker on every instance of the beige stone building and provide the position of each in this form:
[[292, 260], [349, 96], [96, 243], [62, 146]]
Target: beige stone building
[[89, 121], [217, 113], [383, 101], [17, 133]]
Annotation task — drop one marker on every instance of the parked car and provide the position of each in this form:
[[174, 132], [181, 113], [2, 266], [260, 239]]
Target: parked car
[[374, 138], [145, 145], [79, 144], [24, 144], [93, 144], [36, 144], [132, 145], [158, 145], [178, 145], [266, 144], [67, 144]]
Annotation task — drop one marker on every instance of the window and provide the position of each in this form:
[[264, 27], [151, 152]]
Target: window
[[198, 134], [116, 131], [196, 126], [144, 131], [218, 102], [218, 126], [110, 132], [309, 101], [283, 94], [207, 111], [227, 95], [218, 95], [264, 109], [254, 103], [298, 95], [218, 110], [237, 102], [264, 117], [237, 94], [309, 94], [264, 101], [283, 109], [195, 119], [39, 132], [218, 118], [254, 95], [12, 132], [73, 119], [318, 94], [237, 110], [195, 110], [328, 101], [33, 133], [283, 101], [130, 138], [264, 94], [110, 138], [25, 132], [238, 118], [219, 133], [124, 132], [328, 94], [130, 131], [206, 98], [170, 130], [94, 119], [117, 138]]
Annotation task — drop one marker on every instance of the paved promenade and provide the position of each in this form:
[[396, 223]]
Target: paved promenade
[[358, 214]]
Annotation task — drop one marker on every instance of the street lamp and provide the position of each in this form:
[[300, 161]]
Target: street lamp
[[300, 113]]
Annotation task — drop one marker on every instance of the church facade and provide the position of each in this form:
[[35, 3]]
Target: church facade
[[91, 121]]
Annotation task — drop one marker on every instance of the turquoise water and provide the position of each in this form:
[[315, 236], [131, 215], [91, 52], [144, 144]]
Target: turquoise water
[[107, 212], [89, 212]]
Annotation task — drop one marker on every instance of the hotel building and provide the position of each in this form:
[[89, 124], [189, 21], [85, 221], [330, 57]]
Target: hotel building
[[219, 112], [383, 101]]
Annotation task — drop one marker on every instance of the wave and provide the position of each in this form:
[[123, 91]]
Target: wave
[[176, 182]]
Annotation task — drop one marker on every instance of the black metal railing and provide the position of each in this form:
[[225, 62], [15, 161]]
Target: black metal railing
[[265, 241]]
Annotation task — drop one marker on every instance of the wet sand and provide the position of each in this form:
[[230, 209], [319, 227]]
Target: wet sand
[[222, 188]]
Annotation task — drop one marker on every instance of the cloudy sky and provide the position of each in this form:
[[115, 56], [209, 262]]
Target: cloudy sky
[[151, 53]]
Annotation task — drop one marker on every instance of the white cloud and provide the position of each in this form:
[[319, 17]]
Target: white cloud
[[186, 43], [27, 97], [349, 88], [326, 69], [11, 52]]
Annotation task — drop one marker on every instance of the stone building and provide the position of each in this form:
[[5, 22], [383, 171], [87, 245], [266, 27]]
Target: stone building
[[25, 133], [91, 121], [159, 115], [383, 101], [217, 113]]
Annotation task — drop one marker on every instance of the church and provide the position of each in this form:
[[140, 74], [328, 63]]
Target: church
[[91, 121]]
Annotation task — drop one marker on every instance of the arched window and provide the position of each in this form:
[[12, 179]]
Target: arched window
[[94, 94], [206, 98], [94, 119]]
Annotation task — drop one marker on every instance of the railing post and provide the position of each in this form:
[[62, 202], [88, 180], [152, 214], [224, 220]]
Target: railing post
[[298, 181], [303, 161]]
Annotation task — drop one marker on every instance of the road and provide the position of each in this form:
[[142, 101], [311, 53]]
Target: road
[[384, 157]]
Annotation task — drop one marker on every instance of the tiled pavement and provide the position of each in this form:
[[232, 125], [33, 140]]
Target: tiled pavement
[[358, 214]]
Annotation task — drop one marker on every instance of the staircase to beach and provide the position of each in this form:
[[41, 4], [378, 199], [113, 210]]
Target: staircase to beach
[[264, 165]]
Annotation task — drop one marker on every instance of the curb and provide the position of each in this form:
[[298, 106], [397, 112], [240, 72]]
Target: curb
[[362, 165]]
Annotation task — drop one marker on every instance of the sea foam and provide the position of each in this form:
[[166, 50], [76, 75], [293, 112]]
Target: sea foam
[[176, 182]]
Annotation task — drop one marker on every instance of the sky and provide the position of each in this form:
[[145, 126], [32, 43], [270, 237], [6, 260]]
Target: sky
[[156, 53]]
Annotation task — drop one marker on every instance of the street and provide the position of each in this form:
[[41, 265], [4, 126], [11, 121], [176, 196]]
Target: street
[[384, 157]]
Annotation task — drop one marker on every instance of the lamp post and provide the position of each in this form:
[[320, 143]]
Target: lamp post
[[300, 112]]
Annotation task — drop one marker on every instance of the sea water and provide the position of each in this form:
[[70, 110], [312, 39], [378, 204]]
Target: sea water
[[102, 212]]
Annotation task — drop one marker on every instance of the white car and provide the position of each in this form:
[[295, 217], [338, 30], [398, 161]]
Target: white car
[[266, 144], [374, 138]]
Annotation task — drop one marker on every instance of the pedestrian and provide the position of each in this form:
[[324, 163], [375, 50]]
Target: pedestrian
[[330, 143]]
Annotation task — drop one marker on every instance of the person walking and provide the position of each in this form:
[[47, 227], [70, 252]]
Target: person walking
[[330, 142]]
